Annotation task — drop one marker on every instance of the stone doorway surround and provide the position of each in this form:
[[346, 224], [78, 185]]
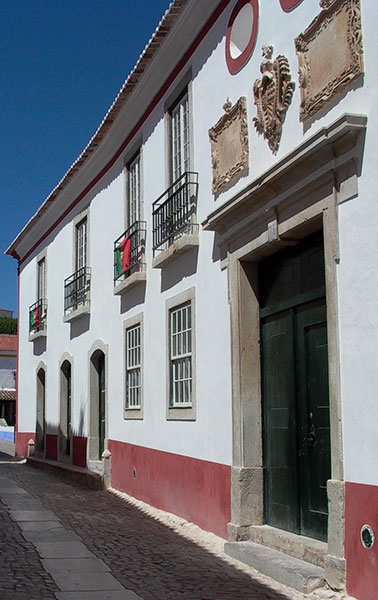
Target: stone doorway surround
[[95, 463], [297, 196]]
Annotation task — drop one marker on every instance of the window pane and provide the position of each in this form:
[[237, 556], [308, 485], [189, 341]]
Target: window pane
[[134, 191], [181, 359], [81, 245], [180, 138], [133, 367], [41, 279]]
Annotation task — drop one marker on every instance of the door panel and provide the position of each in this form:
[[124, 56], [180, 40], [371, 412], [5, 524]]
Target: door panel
[[281, 477], [101, 402], [294, 362], [312, 374]]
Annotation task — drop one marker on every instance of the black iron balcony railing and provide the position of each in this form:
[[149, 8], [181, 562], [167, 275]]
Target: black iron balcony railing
[[77, 290], [173, 211], [37, 316], [129, 250]]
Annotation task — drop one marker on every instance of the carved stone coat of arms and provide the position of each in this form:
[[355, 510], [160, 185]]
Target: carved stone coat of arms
[[273, 94]]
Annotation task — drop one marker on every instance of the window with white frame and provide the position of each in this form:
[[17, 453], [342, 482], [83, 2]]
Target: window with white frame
[[180, 137], [133, 367], [81, 244], [134, 191], [181, 356]]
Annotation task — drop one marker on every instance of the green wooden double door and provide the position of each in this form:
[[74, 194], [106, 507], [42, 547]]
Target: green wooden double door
[[296, 435]]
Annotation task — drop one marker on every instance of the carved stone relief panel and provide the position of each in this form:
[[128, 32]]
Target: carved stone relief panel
[[229, 145], [329, 54], [273, 94]]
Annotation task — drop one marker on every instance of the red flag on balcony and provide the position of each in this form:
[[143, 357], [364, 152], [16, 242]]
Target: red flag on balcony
[[123, 255], [34, 317]]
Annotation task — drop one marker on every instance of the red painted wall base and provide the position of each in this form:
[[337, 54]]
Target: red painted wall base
[[51, 446], [22, 442], [197, 490], [361, 507], [79, 451]]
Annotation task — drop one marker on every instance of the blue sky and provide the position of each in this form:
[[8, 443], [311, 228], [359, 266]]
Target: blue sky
[[62, 64]]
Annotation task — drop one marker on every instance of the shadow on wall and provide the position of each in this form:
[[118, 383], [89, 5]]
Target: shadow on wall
[[183, 266], [52, 442]]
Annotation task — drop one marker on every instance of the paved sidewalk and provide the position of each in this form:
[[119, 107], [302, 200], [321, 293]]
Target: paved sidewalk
[[51, 561], [67, 542]]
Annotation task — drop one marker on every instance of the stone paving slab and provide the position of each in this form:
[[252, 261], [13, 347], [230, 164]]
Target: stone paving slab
[[63, 550], [23, 503], [86, 582], [11, 492], [78, 565], [111, 595], [39, 525], [32, 515], [51, 535]]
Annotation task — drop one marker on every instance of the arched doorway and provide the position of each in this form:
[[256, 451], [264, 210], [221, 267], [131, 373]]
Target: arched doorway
[[65, 431], [98, 428], [40, 426]]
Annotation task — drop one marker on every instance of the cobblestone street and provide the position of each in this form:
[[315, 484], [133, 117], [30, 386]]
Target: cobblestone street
[[149, 559]]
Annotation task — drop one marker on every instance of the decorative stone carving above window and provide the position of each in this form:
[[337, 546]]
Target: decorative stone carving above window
[[229, 145], [273, 94], [334, 38]]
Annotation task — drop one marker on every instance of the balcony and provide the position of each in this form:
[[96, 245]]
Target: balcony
[[129, 268], [77, 294], [37, 320], [173, 228]]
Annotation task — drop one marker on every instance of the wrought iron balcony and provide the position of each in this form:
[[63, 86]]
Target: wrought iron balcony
[[77, 290], [37, 316], [173, 211], [129, 250]]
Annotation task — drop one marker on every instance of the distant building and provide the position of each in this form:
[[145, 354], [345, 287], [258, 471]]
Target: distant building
[[8, 366], [198, 294], [6, 313]]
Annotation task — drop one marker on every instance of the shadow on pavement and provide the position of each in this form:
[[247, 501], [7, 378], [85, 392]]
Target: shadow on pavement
[[143, 553]]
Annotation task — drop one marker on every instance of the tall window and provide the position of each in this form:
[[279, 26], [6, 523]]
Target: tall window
[[181, 355], [134, 191], [180, 137], [41, 279], [133, 367], [81, 244]]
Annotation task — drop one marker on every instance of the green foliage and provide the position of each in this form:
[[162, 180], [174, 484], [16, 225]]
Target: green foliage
[[8, 325]]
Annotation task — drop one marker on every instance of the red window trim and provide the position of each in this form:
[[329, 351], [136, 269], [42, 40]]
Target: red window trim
[[235, 64], [288, 5]]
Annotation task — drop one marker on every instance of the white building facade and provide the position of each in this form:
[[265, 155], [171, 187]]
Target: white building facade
[[197, 293]]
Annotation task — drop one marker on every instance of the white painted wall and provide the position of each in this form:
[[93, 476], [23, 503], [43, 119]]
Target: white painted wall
[[209, 437]]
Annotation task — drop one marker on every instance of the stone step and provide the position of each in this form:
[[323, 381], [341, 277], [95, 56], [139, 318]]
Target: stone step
[[285, 569], [80, 475], [299, 546]]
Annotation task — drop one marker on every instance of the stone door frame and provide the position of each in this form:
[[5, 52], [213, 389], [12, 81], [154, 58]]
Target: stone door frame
[[298, 195]]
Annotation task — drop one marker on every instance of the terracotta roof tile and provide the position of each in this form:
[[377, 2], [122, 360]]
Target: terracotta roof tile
[[8, 342], [7, 394]]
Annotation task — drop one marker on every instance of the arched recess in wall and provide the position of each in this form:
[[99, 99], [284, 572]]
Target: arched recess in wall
[[65, 407], [98, 409], [40, 421]]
